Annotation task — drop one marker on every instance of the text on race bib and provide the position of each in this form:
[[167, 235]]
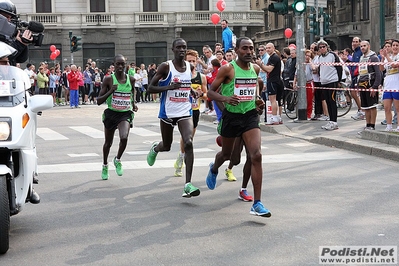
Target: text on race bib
[[121, 100], [245, 88]]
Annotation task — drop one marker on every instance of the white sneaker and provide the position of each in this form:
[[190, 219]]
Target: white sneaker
[[212, 113], [388, 129], [323, 118], [359, 116], [330, 126]]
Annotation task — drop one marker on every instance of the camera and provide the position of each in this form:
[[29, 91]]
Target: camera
[[9, 30], [35, 27]]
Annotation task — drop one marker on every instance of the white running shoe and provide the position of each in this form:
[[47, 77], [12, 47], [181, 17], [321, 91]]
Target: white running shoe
[[330, 126], [359, 116]]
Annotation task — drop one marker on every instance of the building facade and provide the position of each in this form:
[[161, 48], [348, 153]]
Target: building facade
[[142, 30], [348, 19]]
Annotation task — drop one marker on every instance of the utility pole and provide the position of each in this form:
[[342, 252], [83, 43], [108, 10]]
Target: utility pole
[[300, 44]]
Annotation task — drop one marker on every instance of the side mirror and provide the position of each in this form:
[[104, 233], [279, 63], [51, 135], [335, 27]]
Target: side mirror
[[40, 102]]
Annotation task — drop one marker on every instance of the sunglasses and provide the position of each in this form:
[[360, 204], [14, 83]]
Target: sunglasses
[[261, 49], [322, 46]]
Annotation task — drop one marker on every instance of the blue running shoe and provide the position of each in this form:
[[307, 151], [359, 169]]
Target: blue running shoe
[[211, 178], [259, 210]]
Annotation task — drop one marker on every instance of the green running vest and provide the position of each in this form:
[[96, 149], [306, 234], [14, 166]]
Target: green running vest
[[121, 99], [244, 86]]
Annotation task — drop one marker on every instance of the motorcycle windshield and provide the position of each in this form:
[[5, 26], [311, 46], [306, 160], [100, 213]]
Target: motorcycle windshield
[[13, 83]]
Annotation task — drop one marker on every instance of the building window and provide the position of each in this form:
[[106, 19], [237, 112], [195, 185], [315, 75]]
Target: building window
[[201, 5], [101, 53], [43, 6], [148, 53], [97, 5], [390, 8], [39, 54], [365, 10], [276, 21], [150, 5]]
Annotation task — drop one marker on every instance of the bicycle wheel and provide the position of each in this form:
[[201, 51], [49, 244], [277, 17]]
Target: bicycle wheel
[[344, 102], [291, 104]]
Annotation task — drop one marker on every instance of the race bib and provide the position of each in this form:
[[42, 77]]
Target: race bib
[[245, 88], [181, 94], [121, 101], [392, 70], [363, 68]]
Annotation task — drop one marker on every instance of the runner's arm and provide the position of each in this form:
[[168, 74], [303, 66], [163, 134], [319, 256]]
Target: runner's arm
[[162, 73]]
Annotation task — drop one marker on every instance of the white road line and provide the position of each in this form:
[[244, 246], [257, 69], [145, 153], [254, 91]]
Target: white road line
[[145, 132], [299, 144], [199, 162], [73, 155], [89, 131], [49, 134], [146, 152]]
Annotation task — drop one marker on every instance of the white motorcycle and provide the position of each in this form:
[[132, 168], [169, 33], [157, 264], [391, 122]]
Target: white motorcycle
[[18, 161]]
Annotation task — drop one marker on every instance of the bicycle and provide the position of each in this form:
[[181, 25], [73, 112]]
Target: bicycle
[[291, 103], [343, 100]]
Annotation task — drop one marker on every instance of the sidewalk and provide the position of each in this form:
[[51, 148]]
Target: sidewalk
[[377, 143]]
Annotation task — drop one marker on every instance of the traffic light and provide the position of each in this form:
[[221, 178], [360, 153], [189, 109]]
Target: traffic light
[[326, 24], [299, 6], [281, 7], [313, 25], [75, 43]]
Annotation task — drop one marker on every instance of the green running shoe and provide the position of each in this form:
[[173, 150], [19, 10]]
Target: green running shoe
[[152, 155], [190, 191], [118, 167], [104, 173]]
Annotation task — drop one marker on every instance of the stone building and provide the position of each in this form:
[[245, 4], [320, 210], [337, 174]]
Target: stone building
[[348, 19], [142, 30]]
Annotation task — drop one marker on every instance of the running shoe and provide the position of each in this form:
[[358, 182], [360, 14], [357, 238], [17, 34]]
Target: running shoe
[[244, 196], [259, 210], [384, 122], [118, 167], [330, 126], [152, 155], [104, 173], [359, 116], [179, 165], [190, 191], [211, 178], [229, 175]]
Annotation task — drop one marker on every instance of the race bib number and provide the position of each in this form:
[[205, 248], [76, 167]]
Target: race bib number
[[392, 70], [182, 94], [245, 88], [363, 70], [121, 100]]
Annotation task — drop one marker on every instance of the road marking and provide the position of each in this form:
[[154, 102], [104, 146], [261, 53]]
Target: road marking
[[199, 162], [146, 152], [49, 134], [144, 132], [73, 155], [299, 144], [89, 131]]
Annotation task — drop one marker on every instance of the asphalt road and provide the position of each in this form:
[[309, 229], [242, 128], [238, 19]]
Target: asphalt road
[[318, 196]]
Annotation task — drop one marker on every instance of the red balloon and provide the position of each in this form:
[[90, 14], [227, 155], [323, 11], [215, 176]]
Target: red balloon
[[288, 33], [221, 5], [57, 52], [53, 56], [215, 18], [219, 141], [52, 48]]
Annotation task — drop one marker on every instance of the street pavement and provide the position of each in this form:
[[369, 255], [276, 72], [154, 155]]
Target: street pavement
[[318, 195]]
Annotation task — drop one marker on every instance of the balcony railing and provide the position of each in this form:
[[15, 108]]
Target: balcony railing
[[142, 19]]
